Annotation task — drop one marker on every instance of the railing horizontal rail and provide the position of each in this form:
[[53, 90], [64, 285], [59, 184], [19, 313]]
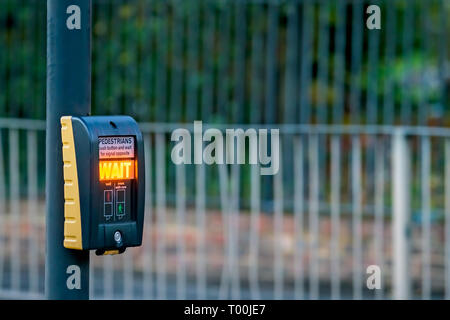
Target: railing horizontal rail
[[160, 127], [22, 124], [309, 129]]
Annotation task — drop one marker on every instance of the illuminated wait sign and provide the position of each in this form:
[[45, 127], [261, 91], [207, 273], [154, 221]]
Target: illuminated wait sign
[[116, 170]]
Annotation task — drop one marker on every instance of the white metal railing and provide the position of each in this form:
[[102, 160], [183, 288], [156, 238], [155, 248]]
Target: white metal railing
[[346, 197]]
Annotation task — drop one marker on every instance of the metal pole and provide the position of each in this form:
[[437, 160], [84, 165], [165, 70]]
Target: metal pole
[[68, 93], [400, 218]]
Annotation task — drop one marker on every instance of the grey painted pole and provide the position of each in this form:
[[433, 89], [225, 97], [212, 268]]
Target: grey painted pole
[[68, 93]]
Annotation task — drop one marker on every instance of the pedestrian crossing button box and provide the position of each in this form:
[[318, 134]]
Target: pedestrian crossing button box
[[104, 183]]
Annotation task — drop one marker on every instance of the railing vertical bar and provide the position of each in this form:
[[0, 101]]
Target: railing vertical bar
[[128, 274], [181, 227], [225, 212], [92, 277], [234, 232], [200, 267], [447, 218], [400, 216], [2, 211], [108, 277], [32, 191], [161, 216], [255, 208], [299, 207], [335, 247], [15, 217], [425, 156], [148, 234], [32, 168], [278, 232], [356, 217], [314, 216], [379, 212]]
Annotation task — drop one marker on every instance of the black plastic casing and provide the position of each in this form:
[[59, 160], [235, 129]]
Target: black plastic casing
[[97, 235]]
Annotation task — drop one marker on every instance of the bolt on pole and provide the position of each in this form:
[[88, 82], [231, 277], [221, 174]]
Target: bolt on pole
[[68, 93]]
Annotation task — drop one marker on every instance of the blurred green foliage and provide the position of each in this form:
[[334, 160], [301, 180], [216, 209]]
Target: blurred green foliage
[[245, 61]]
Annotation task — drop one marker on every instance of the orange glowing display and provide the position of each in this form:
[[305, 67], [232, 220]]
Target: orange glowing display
[[116, 170]]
